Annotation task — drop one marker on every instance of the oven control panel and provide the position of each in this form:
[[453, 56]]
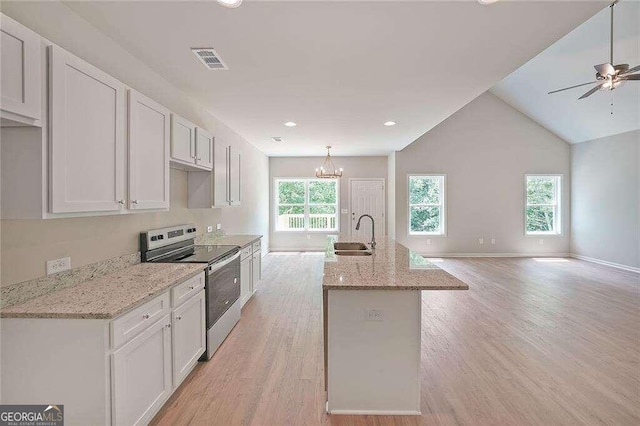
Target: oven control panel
[[157, 238]]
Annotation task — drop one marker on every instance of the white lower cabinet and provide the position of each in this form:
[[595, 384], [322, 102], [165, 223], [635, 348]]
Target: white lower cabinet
[[141, 375], [117, 371], [189, 336], [250, 270]]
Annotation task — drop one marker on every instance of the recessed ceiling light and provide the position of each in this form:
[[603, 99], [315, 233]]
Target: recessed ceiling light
[[290, 124], [389, 123], [230, 3]]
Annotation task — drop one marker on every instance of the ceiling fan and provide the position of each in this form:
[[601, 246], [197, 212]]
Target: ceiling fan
[[608, 76]]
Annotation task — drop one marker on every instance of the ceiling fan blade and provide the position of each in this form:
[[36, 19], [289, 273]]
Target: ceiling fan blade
[[605, 69], [572, 87], [631, 77], [630, 70], [591, 92]]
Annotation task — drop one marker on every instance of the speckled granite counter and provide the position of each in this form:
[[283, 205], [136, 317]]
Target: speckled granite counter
[[231, 240], [391, 267], [108, 296]]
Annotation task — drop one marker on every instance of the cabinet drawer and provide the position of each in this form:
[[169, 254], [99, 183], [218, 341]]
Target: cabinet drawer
[[256, 246], [183, 292], [246, 252], [130, 325]]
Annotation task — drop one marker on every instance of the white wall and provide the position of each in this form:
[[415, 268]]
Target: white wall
[[605, 207], [391, 195], [304, 167], [485, 149], [27, 244]]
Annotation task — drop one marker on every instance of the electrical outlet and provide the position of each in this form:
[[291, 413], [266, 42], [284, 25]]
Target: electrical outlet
[[58, 265], [209, 228], [219, 226], [308, 236], [373, 315], [428, 241], [493, 241], [540, 241], [480, 240], [344, 211]]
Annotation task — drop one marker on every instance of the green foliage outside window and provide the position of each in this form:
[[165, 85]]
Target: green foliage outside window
[[541, 204], [426, 204]]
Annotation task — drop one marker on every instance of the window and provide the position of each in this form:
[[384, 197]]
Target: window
[[306, 204], [542, 212], [426, 204]]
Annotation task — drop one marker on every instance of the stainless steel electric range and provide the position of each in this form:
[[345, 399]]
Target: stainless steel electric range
[[222, 283]]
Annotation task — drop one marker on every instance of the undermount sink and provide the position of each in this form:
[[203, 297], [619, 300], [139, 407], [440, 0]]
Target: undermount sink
[[353, 253], [349, 246]]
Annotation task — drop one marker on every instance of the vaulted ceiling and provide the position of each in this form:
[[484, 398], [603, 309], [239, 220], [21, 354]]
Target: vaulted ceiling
[[337, 69]]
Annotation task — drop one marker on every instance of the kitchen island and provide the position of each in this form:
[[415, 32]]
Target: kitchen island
[[372, 309]]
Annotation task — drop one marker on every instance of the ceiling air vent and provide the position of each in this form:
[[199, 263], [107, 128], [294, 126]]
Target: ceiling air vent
[[276, 138], [209, 58]]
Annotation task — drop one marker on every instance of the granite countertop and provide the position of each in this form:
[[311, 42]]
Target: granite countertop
[[391, 267], [230, 240], [108, 296]]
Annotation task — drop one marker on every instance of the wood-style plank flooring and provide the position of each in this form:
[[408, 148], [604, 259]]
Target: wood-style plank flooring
[[531, 343]]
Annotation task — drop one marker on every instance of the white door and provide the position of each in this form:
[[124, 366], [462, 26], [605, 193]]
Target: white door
[[183, 140], [141, 372], [149, 127], [234, 177], [20, 72], [246, 281], [87, 136], [367, 197], [189, 331], [204, 149]]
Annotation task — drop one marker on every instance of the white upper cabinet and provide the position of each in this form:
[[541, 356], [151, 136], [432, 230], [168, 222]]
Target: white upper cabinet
[[233, 174], [149, 138], [21, 64], [204, 149], [183, 140], [191, 146], [87, 136]]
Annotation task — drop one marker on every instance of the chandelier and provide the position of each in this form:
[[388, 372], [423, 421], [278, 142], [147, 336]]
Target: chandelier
[[328, 169]]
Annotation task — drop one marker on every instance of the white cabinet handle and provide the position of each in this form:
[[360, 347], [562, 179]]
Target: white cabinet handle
[[145, 316]]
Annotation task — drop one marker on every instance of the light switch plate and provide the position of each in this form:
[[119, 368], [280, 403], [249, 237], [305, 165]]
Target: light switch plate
[[481, 240], [209, 228], [58, 265], [219, 226]]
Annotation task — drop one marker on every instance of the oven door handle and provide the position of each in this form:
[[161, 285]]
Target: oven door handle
[[219, 265]]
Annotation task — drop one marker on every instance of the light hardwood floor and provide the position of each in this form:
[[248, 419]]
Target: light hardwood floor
[[544, 343]]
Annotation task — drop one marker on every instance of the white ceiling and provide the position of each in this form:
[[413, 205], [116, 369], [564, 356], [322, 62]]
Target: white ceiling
[[338, 69], [569, 62]]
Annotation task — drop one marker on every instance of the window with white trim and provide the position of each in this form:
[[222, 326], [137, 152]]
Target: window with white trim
[[306, 205], [542, 211], [426, 204]]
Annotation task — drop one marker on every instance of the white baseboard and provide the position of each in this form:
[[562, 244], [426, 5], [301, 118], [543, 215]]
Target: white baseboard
[[374, 413], [495, 255], [606, 263]]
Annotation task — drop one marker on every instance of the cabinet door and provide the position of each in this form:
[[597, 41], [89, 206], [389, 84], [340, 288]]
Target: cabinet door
[[149, 127], [141, 375], [183, 140], [189, 332], [246, 281], [234, 177], [257, 270], [204, 149], [220, 174], [87, 136], [20, 72]]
